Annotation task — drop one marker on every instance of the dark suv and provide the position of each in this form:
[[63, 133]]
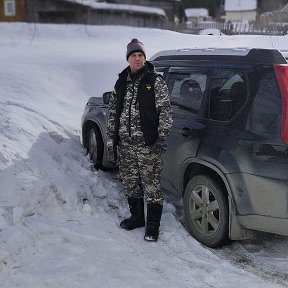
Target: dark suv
[[227, 153]]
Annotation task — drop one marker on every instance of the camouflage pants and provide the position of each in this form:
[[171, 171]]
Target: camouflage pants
[[140, 169]]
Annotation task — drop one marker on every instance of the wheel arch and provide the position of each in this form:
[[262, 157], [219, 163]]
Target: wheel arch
[[85, 129], [203, 168], [86, 126], [200, 167]]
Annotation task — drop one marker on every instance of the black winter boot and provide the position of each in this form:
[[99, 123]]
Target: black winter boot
[[154, 213], [137, 218]]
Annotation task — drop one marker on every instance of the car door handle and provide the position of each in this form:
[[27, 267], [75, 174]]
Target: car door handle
[[188, 132]]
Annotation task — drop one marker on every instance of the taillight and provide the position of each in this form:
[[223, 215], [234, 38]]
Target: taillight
[[282, 76]]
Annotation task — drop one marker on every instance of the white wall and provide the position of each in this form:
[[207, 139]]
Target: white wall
[[241, 15]]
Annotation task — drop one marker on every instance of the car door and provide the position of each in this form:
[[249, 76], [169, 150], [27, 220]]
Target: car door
[[187, 87]]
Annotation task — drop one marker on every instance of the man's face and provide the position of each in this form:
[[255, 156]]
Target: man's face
[[136, 61]]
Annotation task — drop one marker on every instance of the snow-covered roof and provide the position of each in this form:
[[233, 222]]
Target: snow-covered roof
[[196, 12], [126, 7], [285, 8], [240, 5]]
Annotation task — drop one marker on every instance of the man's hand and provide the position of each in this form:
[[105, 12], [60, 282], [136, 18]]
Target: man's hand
[[110, 143], [110, 150]]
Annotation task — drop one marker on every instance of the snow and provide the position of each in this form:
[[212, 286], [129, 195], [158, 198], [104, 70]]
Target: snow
[[285, 8], [196, 12], [240, 5], [211, 31], [120, 7], [59, 218]]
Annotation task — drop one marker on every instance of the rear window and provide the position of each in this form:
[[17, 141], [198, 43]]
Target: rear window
[[265, 114], [227, 95]]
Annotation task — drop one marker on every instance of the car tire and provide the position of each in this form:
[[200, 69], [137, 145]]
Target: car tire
[[206, 211], [95, 147]]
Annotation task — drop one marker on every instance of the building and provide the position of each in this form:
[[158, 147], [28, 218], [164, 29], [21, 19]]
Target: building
[[278, 16], [172, 8], [13, 10], [196, 14], [240, 10], [88, 12], [121, 14]]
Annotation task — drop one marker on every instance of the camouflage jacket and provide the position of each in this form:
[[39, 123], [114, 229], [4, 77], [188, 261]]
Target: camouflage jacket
[[139, 110]]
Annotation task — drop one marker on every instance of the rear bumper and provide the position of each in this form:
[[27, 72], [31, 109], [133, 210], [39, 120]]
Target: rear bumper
[[265, 224], [258, 195]]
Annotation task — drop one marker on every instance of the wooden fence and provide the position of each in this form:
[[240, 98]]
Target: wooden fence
[[228, 28]]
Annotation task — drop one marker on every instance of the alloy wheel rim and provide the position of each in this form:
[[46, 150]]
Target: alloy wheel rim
[[204, 210]]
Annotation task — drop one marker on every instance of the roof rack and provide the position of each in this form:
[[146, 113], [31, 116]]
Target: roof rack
[[241, 54]]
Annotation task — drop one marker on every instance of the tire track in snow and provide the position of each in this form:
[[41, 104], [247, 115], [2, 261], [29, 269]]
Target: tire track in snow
[[238, 256]]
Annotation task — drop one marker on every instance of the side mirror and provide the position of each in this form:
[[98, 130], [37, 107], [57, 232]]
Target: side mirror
[[106, 97]]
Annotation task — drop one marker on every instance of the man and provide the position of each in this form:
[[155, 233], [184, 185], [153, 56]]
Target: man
[[139, 122]]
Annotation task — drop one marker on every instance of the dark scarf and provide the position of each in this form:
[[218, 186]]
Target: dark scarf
[[134, 76]]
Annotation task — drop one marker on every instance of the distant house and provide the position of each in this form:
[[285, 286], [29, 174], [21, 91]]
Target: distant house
[[95, 13], [278, 16], [124, 14], [240, 10], [13, 10], [196, 14], [81, 12], [172, 8]]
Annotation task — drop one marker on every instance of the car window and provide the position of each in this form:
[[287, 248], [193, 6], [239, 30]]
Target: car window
[[227, 95], [187, 90], [261, 119], [161, 70]]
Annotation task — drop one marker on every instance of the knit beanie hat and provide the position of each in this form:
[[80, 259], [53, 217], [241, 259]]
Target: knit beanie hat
[[135, 46]]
